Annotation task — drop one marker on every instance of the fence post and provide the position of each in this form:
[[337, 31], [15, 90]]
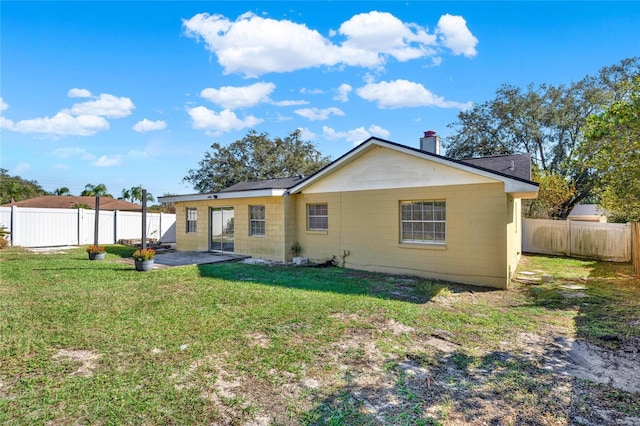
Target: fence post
[[568, 222], [12, 226], [635, 247]]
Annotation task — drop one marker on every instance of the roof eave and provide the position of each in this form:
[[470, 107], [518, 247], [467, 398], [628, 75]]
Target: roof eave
[[223, 195]]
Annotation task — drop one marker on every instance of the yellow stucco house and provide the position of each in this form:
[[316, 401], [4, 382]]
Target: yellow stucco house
[[381, 207]]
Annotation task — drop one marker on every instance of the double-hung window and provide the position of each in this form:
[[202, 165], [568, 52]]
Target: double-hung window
[[256, 221], [192, 219], [423, 221], [317, 217]]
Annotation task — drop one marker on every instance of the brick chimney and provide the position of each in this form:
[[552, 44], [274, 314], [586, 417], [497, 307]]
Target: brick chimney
[[430, 142]]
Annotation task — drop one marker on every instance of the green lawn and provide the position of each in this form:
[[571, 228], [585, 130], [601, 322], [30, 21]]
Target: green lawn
[[95, 342]]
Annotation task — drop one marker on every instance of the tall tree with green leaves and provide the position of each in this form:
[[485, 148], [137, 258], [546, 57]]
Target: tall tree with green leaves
[[95, 190], [14, 188], [546, 122], [613, 139], [255, 157]]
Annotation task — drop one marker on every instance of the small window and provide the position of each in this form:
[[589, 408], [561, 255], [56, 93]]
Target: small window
[[423, 222], [192, 220], [317, 217], [256, 221]]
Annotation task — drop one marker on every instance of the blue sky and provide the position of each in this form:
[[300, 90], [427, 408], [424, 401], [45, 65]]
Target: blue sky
[[134, 93]]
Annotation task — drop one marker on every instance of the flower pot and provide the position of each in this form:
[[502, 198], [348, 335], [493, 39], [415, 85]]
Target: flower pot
[[144, 265], [97, 256]]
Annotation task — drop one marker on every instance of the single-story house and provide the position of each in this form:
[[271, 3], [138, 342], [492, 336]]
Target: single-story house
[[587, 213], [72, 201], [381, 207]]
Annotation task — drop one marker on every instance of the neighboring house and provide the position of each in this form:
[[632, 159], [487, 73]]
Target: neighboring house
[[71, 201], [587, 213], [381, 207]]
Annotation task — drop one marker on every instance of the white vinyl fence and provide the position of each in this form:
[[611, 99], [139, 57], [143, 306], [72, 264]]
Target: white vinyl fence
[[605, 241], [37, 227]]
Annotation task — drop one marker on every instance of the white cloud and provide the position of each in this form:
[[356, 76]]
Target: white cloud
[[403, 93], [288, 103], [62, 124], [253, 45], [79, 93], [311, 91], [82, 119], [230, 97], [73, 152], [59, 166], [376, 33], [356, 136], [108, 161], [342, 94], [105, 105], [148, 125], [20, 168], [455, 35], [306, 134], [218, 123], [315, 114]]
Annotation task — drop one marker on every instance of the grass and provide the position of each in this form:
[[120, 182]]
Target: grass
[[231, 343]]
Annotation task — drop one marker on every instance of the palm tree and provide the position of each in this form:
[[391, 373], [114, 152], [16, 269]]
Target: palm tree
[[62, 191], [135, 194], [95, 190]]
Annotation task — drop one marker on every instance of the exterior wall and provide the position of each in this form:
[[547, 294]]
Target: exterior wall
[[272, 246], [514, 234], [364, 233]]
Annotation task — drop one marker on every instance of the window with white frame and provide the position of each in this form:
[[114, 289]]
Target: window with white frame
[[192, 219], [256, 221], [423, 221], [317, 217]]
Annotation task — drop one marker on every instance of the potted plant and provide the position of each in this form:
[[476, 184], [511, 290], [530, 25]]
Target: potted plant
[[144, 259], [96, 252]]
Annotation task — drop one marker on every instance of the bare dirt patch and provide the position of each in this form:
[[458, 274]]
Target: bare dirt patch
[[86, 358]]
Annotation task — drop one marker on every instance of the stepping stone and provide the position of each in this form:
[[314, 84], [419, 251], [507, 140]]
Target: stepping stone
[[573, 287]]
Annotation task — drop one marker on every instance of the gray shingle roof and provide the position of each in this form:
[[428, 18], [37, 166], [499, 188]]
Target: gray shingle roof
[[516, 165]]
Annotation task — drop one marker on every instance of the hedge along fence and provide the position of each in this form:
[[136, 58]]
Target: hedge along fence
[[40, 227], [591, 240]]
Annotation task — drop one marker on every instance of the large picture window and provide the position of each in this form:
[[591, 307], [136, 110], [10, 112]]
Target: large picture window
[[256, 221], [317, 217], [423, 221], [192, 219]]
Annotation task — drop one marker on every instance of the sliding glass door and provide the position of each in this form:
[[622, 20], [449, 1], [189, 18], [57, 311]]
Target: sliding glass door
[[221, 221]]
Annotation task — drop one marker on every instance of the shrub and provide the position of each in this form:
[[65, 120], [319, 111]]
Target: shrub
[[144, 254], [95, 249]]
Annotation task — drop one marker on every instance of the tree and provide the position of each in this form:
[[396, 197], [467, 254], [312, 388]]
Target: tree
[[614, 139], [95, 190], [14, 188], [546, 122], [135, 194], [62, 191], [255, 157]]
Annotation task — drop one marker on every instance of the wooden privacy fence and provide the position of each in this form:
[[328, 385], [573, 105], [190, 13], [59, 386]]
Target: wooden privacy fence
[[38, 227], [605, 241], [636, 248]]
